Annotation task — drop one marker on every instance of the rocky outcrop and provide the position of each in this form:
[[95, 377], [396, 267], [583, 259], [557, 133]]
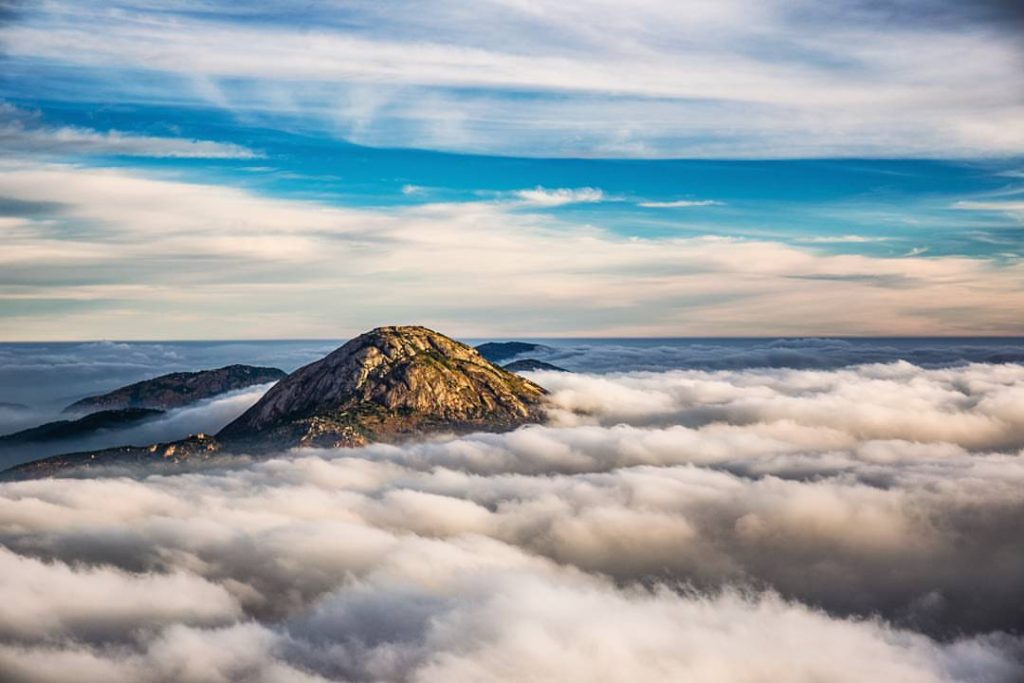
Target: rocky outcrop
[[178, 389], [388, 384]]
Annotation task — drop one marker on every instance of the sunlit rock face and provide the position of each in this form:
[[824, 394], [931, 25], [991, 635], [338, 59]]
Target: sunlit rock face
[[385, 384]]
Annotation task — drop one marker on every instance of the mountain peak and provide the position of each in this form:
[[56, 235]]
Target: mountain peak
[[383, 385]]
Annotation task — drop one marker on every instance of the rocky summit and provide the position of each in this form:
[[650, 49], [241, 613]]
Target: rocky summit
[[385, 385]]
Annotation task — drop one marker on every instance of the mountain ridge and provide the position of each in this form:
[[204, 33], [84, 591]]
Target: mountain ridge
[[177, 389], [387, 385], [93, 422]]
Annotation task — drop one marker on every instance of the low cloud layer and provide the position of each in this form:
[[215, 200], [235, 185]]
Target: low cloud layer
[[613, 355], [860, 524]]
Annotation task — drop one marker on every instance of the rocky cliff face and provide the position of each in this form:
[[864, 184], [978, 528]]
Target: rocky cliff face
[[385, 385], [178, 389]]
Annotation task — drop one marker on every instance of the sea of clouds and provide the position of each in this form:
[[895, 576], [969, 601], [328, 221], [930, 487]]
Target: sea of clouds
[[755, 524]]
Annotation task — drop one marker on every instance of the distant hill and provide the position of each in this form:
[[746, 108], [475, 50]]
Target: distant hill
[[85, 426], [178, 389], [499, 352], [530, 364]]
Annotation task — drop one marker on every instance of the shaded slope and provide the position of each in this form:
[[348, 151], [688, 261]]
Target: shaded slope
[[499, 352], [531, 364], [178, 388], [84, 426]]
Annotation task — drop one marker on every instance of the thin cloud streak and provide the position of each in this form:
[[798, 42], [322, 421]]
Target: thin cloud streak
[[23, 133], [680, 204], [551, 197]]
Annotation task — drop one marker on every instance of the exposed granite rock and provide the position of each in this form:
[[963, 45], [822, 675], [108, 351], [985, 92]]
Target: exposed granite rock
[[498, 352], [178, 389], [385, 385], [530, 364], [90, 424]]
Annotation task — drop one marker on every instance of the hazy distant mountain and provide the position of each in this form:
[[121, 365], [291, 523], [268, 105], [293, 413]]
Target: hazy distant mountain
[[389, 384], [498, 352], [178, 389], [85, 426], [528, 364]]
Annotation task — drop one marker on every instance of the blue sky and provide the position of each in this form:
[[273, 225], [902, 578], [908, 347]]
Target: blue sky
[[196, 169]]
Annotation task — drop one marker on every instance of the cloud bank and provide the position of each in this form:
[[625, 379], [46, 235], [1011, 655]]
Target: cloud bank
[[849, 525], [125, 247]]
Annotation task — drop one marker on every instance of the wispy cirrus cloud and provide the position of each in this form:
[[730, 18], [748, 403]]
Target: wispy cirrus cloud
[[739, 79], [843, 239], [680, 204], [25, 133], [1010, 207]]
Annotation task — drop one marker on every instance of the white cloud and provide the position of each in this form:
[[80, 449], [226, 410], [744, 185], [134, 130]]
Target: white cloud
[[20, 132], [680, 203], [843, 239], [1011, 207], [270, 269], [540, 196], [52, 600]]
